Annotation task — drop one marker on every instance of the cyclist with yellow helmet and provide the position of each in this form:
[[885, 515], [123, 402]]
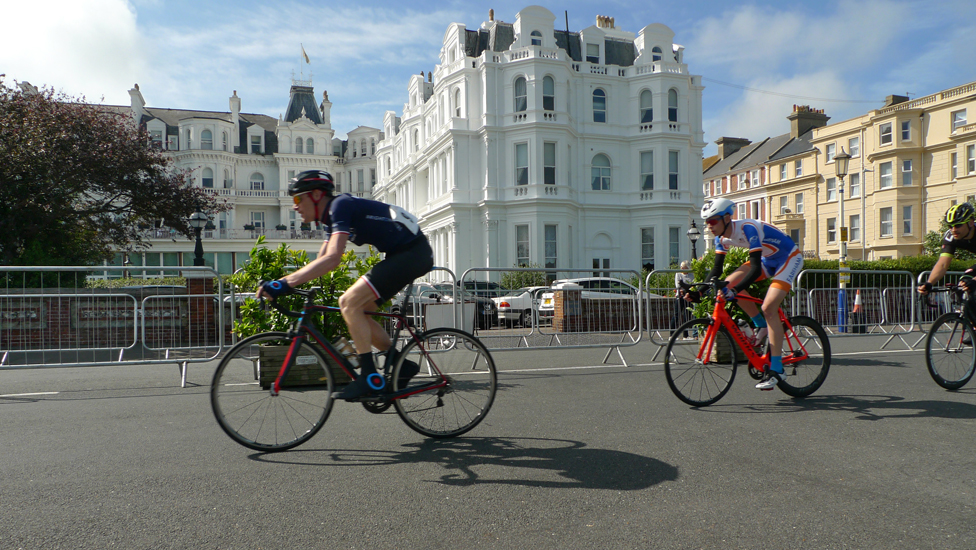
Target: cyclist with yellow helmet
[[961, 235]]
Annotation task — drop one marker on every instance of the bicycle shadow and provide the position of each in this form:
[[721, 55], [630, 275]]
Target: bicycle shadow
[[874, 407], [568, 464]]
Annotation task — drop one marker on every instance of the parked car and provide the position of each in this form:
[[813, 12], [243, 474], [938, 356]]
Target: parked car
[[421, 294], [485, 308], [594, 288], [516, 306]]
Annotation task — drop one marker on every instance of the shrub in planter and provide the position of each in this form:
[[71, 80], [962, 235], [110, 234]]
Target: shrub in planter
[[281, 227]]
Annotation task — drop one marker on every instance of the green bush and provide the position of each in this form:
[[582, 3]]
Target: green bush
[[522, 279], [266, 265]]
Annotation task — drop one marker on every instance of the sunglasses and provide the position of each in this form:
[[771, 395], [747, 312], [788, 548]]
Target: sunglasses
[[713, 221], [959, 225], [297, 199]]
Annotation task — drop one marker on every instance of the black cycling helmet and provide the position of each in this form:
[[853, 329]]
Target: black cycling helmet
[[311, 180], [960, 213]]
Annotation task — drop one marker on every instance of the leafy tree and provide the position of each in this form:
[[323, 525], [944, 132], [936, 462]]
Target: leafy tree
[[522, 279], [77, 180]]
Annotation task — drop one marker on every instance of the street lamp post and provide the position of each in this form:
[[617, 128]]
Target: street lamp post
[[841, 162], [694, 234], [198, 220]]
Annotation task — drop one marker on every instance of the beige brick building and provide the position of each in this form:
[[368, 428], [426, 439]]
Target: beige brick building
[[911, 160]]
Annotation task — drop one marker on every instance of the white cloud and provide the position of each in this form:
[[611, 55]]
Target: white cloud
[[756, 115], [89, 48]]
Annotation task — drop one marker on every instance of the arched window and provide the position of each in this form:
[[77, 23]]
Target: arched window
[[206, 140], [600, 173], [372, 147], [457, 102], [673, 105], [228, 183], [521, 102], [389, 171], [257, 182], [362, 149], [599, 105], [352, 147], [416, 140], [225, 141], [656, 53], [548, 94], [646, 106], [208, 178], [536, 38], [309, 146], [299, 146]]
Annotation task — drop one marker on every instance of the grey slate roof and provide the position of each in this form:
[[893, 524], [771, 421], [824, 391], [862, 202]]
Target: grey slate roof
[[797, 146], [750, 156], [172, 118], [502, 35], [302, 97]]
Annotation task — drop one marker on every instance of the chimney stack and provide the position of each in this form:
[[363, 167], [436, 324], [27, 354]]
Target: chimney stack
[[805, 118], [729, 145]]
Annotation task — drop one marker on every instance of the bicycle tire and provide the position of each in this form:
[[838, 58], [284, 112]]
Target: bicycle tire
[[699, 383], [951, 362], [472, 382], [806, 376], [241, 399]]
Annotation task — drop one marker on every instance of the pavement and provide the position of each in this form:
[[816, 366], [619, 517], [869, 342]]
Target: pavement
[[575, 453]]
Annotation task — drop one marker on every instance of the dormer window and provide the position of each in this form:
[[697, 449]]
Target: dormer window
[[593, 53], [656, 53], [536, 38]]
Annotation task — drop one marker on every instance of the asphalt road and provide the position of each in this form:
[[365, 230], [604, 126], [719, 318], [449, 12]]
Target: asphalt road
[[574, 454]]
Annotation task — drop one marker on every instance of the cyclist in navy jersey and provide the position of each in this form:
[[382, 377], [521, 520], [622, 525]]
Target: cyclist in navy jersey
[[961, 235], [773, 255], [392, 231]]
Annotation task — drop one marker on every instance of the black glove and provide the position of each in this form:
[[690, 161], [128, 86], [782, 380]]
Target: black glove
[[925, 287], [273, 289]]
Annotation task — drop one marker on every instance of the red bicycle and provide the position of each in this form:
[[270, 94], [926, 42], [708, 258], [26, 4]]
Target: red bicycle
[[703, 354]]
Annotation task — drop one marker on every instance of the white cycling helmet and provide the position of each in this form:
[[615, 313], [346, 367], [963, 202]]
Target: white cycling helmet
[[717, 207]]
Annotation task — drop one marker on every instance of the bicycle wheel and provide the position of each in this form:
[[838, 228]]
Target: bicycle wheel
[[806, 376], [699, 382], [242, 402], [471, 383], [949, 352]]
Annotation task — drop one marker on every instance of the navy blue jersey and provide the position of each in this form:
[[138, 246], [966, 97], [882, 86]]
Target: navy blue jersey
[[366, 221]]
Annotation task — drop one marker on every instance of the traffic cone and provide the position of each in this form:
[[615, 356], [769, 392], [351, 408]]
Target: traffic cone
[[857, 318], [857, 302]]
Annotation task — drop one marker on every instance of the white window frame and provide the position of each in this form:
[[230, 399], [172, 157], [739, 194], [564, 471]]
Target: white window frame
[[831, 152], [673, 170], [855, 184], [647, 246], [831, 185], [599, 114], [798, 201], [549, 162], [906, 220], [885, 176], [754, 178], [522, 240], [906, 173], [798, 167], [831, 230], [743, 210], [646, 182], [970, 159], [550, 245], [784, 204], [906, 130], [954, 165], [855, 228], [886, 222], [854, 146], [521, 164], [782, 172], [674, 246], [603, 173], [885, 136], [958, 119], [520, 97]]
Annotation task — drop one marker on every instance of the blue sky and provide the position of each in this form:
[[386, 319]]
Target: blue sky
[[757, 59]]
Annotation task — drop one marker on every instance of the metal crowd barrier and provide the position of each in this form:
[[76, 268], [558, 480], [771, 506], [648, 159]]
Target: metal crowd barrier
[[50, 316], [607, 314], [873, 302]]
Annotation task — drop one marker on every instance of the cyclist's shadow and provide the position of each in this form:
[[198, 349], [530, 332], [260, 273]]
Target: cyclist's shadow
[[557, 463], [876, 407]]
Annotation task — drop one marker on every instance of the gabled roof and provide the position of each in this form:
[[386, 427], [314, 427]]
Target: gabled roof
[[748, 157], [797, 146]]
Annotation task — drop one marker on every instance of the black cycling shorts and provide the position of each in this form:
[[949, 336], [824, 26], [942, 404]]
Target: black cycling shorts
[[400, 267]]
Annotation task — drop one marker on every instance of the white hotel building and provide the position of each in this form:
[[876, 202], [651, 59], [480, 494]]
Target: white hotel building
[[526, 145], [532, 145]]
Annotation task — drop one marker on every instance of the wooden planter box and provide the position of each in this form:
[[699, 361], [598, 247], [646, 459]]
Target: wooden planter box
[[305, 372]]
